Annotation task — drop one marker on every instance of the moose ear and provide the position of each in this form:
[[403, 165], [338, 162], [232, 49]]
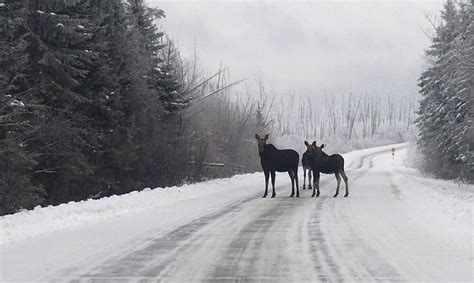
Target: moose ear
[[266, 137], [314, 143], [257, 136], [323, 146], [306, 143]]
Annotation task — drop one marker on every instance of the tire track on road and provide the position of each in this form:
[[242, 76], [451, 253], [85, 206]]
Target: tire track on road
[[236, 263], [362, 160], [323, 263], [161, 251], [367, 264], [251, 236]]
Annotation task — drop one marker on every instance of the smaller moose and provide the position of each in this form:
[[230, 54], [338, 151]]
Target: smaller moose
[[320, 162], [305, 161], [272, 159]]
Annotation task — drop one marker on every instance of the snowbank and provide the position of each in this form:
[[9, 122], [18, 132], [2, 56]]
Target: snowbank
[[453, 198], [41, 220]]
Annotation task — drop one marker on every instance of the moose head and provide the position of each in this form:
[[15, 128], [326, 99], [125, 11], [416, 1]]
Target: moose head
[[261, 142], [309, 146], [313, 149], [317, 151]]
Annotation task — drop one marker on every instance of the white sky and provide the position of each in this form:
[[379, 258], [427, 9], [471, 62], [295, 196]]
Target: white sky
[[307, 47]]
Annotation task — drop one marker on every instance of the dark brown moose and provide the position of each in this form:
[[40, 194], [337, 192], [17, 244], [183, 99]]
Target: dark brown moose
[[306, 166], [320, 162], [273, 159]]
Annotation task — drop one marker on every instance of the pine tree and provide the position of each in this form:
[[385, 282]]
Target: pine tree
[[61, 49], [462, 103], [160, 119], [446, 87], [16, 163]]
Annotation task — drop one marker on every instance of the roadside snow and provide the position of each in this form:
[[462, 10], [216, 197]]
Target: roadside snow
[[454, 199], [41, 220], [16, 103]]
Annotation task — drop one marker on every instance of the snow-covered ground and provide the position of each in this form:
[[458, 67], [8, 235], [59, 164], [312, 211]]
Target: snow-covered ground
[[395, 225]]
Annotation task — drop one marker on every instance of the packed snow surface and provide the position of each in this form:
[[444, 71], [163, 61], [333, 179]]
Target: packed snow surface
[[395, 225]]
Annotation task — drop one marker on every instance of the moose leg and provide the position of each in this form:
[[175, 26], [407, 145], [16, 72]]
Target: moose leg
[[338, 178], [292, 177], [315, 183], [296, 182], [304, 178], [346, 181], [273, 183], [309, 179], [267, 175], [316, 178]]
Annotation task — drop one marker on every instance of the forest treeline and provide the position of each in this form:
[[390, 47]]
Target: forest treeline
[[446, 120], [96, 101], [346, 121]]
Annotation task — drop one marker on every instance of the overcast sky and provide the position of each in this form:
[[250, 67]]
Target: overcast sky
[[307, 47]]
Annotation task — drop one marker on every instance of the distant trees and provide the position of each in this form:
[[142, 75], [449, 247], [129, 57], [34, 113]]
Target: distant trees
[[95, 101], [445, 120], [355, 119]]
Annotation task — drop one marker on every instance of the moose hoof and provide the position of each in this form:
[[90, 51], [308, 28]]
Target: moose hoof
[[304, 188], [273, 195], [334, 196], [313, 195], [264, 196], [346, 195], [298, 195], [317, 195]]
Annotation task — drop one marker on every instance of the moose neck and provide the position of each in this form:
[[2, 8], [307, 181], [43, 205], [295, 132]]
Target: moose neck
[[268, 149], [322, 155]]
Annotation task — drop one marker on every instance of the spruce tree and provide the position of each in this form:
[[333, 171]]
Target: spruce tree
[[16, 126], [160, 119], [444, 123]]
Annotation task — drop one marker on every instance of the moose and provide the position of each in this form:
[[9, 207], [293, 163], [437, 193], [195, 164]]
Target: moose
[[305, 161], [320, 162], [273, 159]]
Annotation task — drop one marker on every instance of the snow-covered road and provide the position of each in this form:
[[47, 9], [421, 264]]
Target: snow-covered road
[[395, 225]]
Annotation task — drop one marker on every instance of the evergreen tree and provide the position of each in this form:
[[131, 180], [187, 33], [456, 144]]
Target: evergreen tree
[[16, 163], [160, 119], [446, 88]]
